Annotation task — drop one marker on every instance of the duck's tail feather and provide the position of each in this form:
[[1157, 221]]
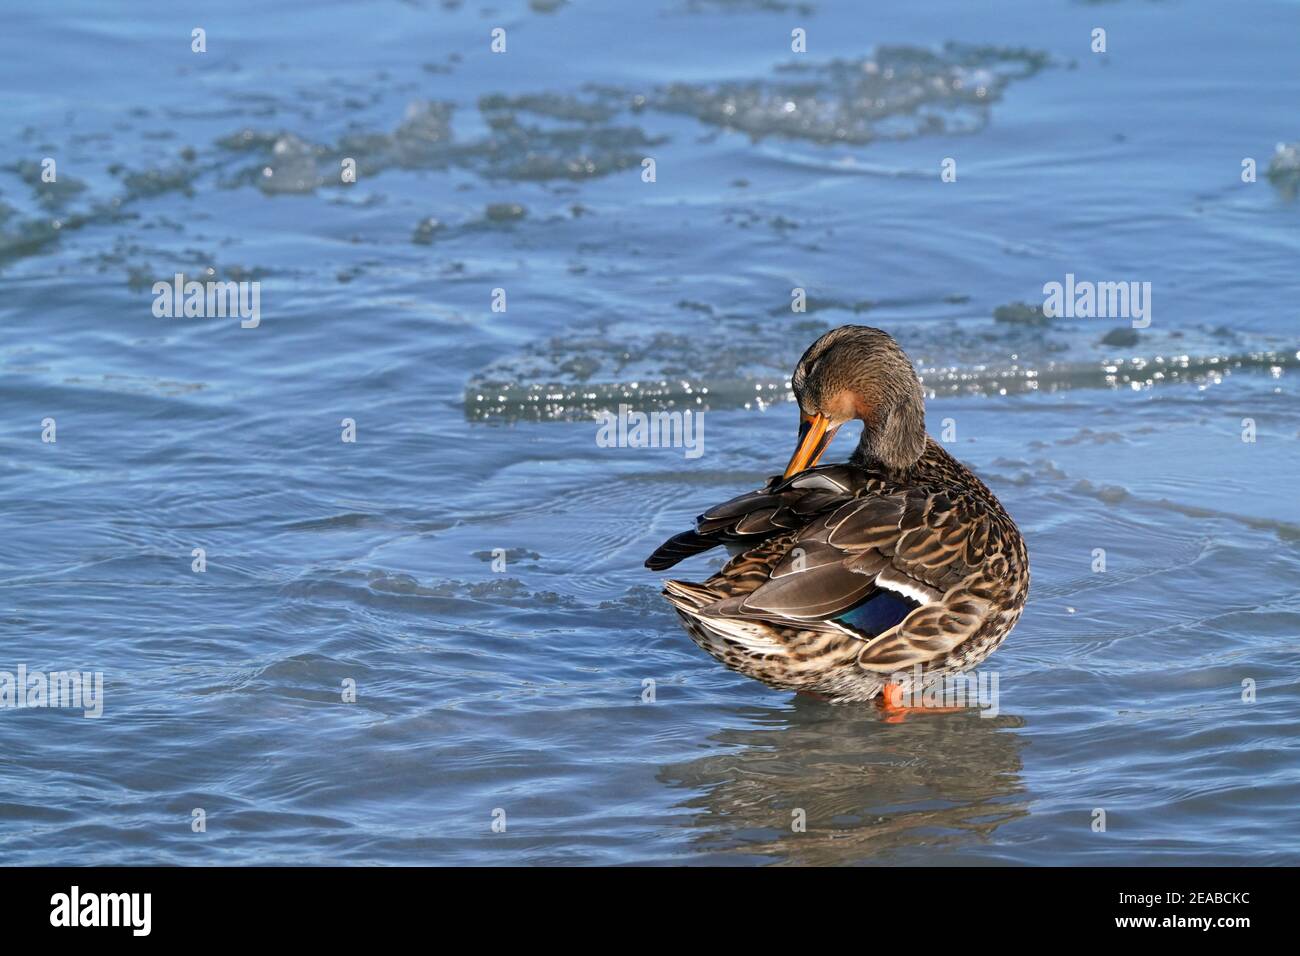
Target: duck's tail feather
[[687, 596]]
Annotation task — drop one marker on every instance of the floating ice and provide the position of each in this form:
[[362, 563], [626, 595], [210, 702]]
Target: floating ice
[[899, 93], [1284, 168], [486, 398]]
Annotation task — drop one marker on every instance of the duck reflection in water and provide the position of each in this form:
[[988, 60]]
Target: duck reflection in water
[[816, 784]]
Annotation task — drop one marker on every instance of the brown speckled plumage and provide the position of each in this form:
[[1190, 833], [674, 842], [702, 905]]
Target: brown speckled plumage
[[903, 524]]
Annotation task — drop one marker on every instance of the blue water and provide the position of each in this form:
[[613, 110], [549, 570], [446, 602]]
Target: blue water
[[485, 693]]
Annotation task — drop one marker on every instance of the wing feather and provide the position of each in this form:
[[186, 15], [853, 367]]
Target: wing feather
[[903, 570], [749, 519]]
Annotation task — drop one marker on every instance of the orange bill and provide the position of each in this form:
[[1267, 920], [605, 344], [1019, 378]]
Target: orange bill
[[815, 433]]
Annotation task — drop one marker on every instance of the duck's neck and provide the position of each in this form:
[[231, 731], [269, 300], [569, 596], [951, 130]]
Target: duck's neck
[[894, 440], [866, 458]]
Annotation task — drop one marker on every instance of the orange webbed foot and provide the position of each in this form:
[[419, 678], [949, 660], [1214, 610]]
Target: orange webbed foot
[[891, 704]]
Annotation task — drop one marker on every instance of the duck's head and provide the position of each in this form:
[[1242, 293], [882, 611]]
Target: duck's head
[[857, 372]]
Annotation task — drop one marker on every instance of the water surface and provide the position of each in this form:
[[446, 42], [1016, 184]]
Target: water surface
[[521, 689]]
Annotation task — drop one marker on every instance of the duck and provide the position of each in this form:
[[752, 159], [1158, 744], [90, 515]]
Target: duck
[[868, 580]]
